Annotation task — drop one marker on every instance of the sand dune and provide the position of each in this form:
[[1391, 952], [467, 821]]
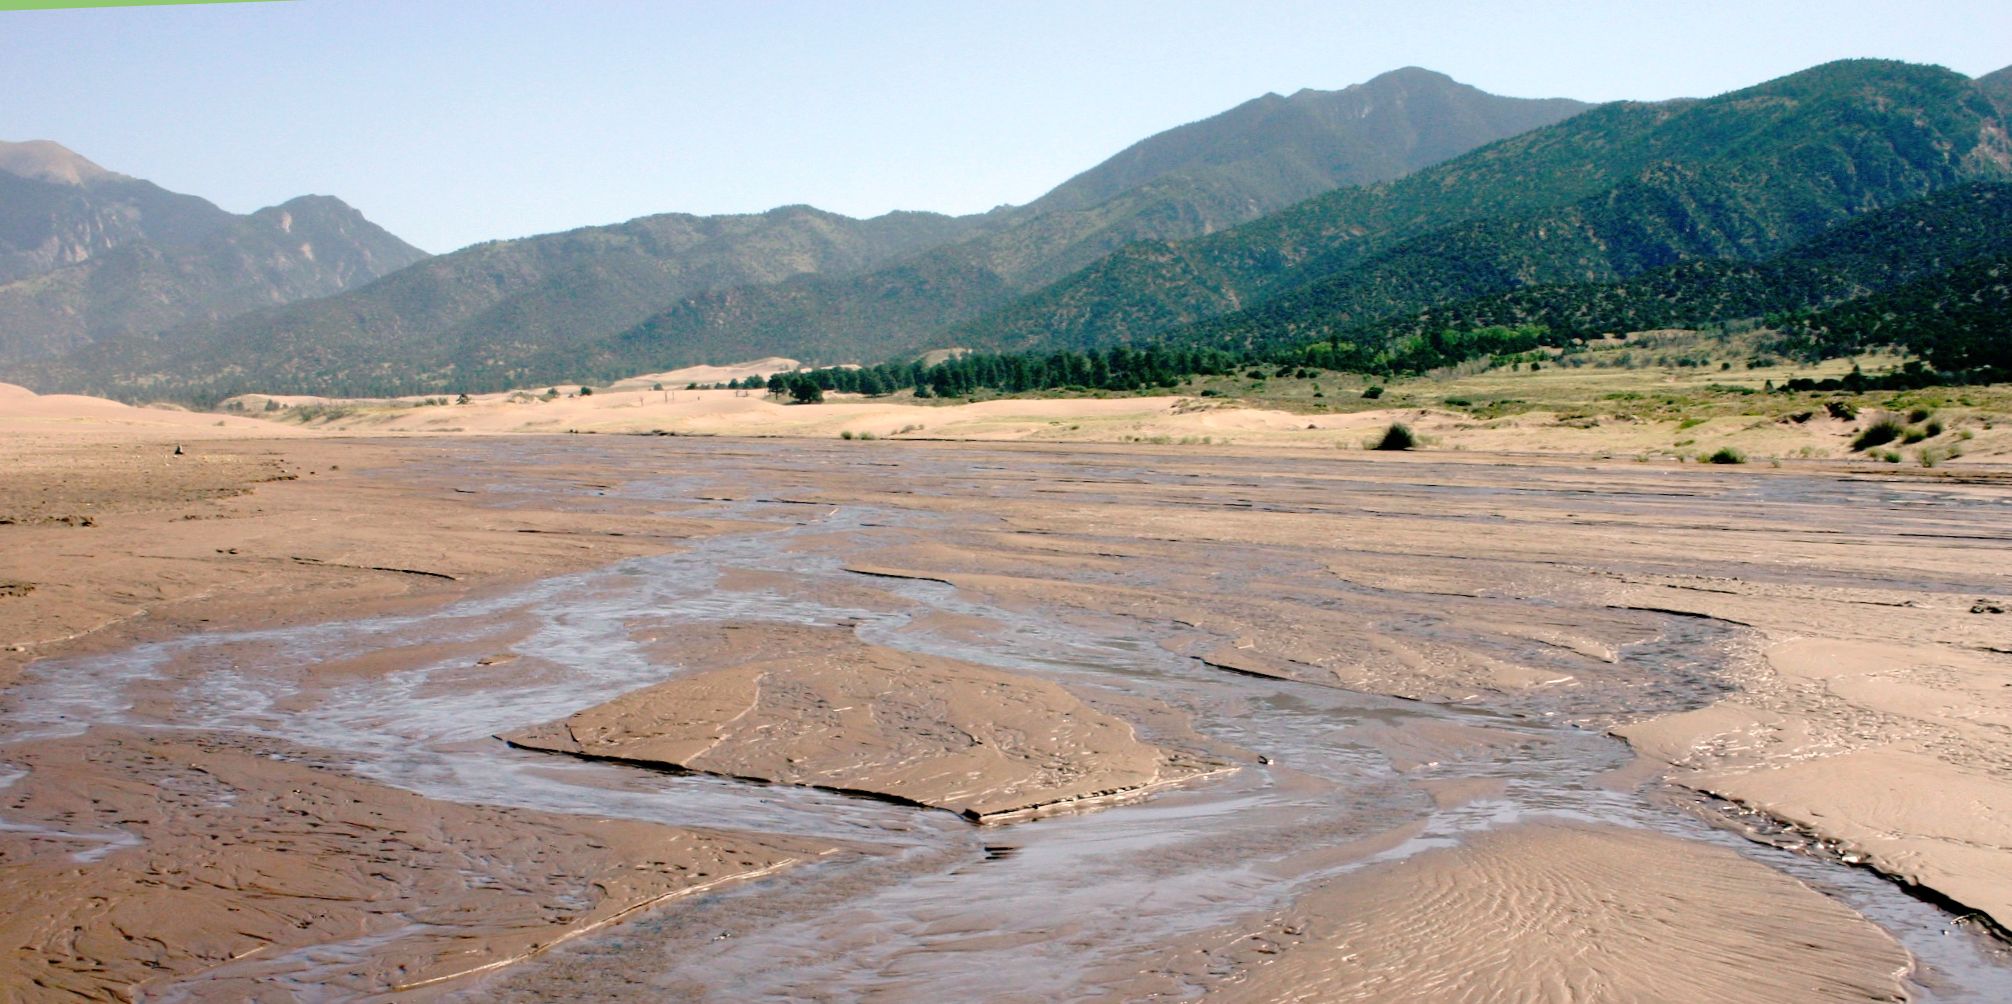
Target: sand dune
[[26, 413]]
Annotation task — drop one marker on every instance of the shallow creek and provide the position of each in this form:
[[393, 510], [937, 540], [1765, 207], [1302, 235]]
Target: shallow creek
[[1064, 907]]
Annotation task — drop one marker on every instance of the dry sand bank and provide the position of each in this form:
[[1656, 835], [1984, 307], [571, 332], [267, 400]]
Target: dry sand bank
[[1556, 913], [833, 713], [630, 407]]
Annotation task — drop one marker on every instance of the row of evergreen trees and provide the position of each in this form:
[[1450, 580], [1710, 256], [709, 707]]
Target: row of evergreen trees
[[1119, 368]]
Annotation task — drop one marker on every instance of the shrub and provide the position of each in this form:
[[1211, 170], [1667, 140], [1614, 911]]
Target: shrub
[[1933, 428], [1930, 456], [846, 434], [1920, 415], [1726, 455], [1883, 430], [1372, 393], [1397, 437], [1843, 411], [585, 390]]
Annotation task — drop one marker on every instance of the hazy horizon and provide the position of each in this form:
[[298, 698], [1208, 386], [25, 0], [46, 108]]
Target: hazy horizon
[[452, 123]]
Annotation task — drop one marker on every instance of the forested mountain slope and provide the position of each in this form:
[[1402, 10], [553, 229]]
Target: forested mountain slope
[[1608, 194], [1257, 158]]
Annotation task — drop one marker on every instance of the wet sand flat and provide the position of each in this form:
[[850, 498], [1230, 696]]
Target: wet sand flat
[[137, 859], [864, 616]]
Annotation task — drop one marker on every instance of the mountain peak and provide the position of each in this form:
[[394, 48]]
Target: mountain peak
[[1409, 75], [1316, 140], [44, 160], [1998, 87]]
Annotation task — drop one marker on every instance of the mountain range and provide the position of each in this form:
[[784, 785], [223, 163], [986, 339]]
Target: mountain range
[[1611, 193], [511, 312], [89, 256], [1375, 212]]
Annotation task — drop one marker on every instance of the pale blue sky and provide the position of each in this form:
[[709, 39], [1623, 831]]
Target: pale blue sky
[[453, 121]]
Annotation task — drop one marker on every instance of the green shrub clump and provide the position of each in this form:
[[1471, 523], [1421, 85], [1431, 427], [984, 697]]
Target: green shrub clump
[[1883, 430], [1397, 437], [1726, 455], [1372, 393]]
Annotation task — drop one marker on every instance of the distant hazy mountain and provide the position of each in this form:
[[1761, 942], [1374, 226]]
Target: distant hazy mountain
[[489, 306], [56, 208], [87, 255], [1608, 194], [522, 311]]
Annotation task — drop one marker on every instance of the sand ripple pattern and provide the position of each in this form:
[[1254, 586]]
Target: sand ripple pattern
[[1561, 913]]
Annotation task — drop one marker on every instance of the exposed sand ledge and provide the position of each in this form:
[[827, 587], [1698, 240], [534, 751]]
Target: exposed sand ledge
[[1885, 755], [844, 716], [613, 917]]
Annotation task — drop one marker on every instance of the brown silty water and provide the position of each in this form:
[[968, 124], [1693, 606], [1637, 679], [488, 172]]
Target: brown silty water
[[1271, 613]]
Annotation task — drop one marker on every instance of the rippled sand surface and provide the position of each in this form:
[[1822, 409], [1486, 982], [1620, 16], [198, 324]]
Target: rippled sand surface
[[1550, 913]]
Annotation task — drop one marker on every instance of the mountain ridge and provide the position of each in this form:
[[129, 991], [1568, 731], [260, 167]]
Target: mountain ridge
[[1260, 156], [1624, 187], [89, 255], [507, 313]]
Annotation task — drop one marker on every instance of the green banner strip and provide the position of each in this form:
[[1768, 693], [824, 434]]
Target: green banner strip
[[65, 4]]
